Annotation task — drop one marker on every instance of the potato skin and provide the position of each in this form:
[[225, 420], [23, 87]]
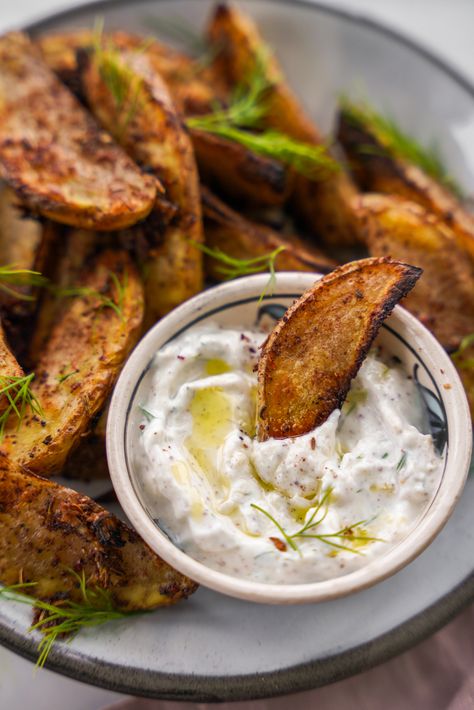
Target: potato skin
[[242, 238], [89, 338], [325, 206], [155, 137], [314, 351], [48, 530], [376, 169], [444, 298], [53, 154]]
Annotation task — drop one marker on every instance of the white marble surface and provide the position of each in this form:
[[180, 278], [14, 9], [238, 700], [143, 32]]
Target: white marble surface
[[443, 27]]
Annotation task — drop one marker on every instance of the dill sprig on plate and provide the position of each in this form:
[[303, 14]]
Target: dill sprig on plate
[[232, 267], [347, 534], [11, 275], [104, 301], [66, 618], [242, 121], [17, 390], [393, 139]]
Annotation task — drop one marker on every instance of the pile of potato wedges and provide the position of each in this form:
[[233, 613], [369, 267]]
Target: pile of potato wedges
[[108, 194]]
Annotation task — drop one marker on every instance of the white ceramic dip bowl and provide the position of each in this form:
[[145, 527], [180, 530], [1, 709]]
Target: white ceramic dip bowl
[[236, 304]]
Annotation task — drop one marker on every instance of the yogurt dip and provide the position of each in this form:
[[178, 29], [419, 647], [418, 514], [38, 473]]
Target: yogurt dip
[[283, 511]]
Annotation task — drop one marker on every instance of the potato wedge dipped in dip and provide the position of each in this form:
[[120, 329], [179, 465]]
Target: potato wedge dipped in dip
[[297, 509]]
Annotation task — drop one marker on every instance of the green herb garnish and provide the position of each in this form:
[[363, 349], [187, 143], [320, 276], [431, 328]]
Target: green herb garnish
[[66, 376], [12, 275], [149, 415], [466, 343], [17, 391], [353, 399], [346, 534], [397, 142], [247, 110], [104, 300], [123, 83], [232, 267], [66, 618], [402, 462]]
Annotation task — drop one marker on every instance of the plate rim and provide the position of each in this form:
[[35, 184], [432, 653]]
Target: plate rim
[[301, 677]]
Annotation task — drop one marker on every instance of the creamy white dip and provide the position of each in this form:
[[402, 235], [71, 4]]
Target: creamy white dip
[[226, 498]]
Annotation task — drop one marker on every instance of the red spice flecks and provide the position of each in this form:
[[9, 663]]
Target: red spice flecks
[[279, 544]]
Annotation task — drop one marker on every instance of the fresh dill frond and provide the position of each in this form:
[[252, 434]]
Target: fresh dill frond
[[66, 376], [402, 462], [12, 275], [123, 84], [353, 399], [66, 618], [242, 121], [398, 143], [232, 267], [459, 356], [346, 534], [104, 300], [149, 415], [17, 391]]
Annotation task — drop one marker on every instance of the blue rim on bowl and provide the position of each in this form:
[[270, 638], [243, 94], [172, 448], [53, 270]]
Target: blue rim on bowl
[[237, 304]]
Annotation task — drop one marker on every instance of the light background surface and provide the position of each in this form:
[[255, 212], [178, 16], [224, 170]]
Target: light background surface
[[444, 28]]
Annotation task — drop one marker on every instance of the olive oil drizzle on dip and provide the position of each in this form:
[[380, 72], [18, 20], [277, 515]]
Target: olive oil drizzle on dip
[[288, 510]]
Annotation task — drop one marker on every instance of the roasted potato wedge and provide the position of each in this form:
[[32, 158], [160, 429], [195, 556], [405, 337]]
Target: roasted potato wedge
[[325, 205], [235, 170], [153, 134], [53, 154], [26, 243], [307, 364], [243, 239], [79, 363], [89, 461], [48, 530], [378, 169], [9, 367], [240, 174], [444, 298], [72, 251]]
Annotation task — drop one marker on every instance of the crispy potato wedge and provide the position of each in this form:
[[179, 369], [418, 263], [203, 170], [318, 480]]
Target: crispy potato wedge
[[241, 238], [89, 461], [79, 363], [9, 367], [53, 154], [153, 134], [326, 205], [47, 530], [194, 87], [74, 248], [307, 364], [61, 50], [235, 170], [240, 174], [377, 169], [444, 298]]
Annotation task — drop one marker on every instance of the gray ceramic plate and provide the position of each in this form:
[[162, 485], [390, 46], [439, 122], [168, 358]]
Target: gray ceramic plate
[[217, 648]]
